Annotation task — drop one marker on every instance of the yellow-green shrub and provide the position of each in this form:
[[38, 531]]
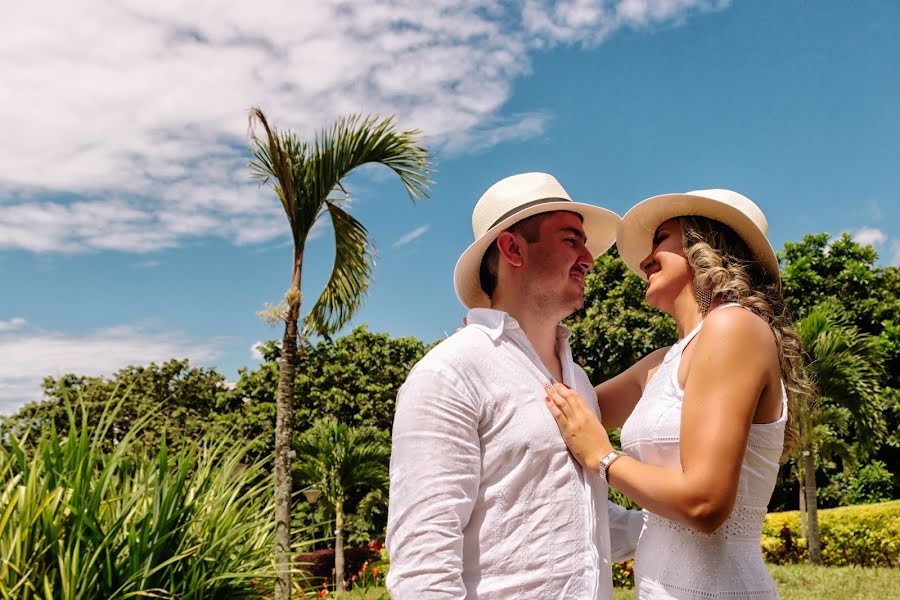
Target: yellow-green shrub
[[865, 535]]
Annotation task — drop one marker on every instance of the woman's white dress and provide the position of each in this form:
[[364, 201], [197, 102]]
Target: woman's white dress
[[677, 561]]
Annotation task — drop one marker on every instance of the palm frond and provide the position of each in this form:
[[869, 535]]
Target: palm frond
[[845, 366], [278, 158], [350, 274], [337, 458], [305, 174]]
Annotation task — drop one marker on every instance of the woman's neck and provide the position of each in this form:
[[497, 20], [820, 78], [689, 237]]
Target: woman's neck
[[686, 311]]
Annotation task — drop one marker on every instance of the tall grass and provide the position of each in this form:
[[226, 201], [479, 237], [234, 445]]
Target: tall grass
[[81, 522]]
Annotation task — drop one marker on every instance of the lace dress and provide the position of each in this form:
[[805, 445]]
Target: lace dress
[[677, 561]]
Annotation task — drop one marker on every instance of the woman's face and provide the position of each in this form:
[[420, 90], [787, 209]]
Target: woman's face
[[667, 268]]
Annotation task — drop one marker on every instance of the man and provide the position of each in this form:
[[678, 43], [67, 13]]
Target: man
[[486, 501]]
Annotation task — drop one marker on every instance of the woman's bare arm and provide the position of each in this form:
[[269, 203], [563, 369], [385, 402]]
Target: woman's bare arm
[[618, 396], [728, 372]]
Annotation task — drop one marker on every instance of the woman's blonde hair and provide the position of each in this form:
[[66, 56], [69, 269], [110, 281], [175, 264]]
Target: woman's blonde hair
[[725, 270]]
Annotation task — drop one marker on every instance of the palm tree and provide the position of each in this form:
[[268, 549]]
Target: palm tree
[[337, 459], [845, 367], [304, 175]]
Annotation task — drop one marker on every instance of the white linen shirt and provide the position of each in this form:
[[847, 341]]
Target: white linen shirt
[[486, 501]]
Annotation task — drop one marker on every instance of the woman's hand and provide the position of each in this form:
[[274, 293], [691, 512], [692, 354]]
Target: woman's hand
[[582, 431]]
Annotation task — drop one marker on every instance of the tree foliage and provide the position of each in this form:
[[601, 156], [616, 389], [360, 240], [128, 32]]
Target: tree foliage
[[182, 402], [354, 378]]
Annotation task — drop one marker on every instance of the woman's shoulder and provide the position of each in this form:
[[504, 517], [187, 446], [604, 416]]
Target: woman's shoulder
[[736, 323]]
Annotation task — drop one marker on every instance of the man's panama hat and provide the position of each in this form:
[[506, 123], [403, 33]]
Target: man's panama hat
[[511, 200]]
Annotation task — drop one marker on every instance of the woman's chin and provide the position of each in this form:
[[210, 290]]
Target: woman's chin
[[652, 299]]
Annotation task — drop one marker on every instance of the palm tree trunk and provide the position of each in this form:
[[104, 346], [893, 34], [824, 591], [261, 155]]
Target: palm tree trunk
[[339, 545], [802, 502], [815, 553], [284, 428]]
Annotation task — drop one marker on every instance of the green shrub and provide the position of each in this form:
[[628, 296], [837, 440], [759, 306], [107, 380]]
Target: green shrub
[[866, 535], [80, 520], [623, 574]]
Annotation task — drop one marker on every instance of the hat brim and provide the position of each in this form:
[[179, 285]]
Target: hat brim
[[599, 227], [634, 238]]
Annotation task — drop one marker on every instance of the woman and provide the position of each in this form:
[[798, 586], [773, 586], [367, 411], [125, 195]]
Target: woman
[[706, 421]]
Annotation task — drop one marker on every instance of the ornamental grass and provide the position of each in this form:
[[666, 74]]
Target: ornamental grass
[[78, 521]]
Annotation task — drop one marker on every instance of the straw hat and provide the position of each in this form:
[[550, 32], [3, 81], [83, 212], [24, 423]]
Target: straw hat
[[509, 201], [634, 237]]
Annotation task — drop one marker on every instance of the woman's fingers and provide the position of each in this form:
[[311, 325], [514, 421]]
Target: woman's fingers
[[555, 410], [558, 397]]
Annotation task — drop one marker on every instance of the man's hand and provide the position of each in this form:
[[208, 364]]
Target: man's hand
[[582, 431]]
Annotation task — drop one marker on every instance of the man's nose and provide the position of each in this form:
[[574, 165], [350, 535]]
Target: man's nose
[[586, 260], [646, 263]]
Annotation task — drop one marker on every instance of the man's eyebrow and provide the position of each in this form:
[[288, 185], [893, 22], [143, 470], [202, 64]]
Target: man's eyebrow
[[576, 232]]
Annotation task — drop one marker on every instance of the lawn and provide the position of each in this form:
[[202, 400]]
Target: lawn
[[806, 582], [794, 582]]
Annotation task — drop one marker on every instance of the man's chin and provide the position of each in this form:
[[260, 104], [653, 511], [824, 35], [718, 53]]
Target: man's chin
[[575, 305]]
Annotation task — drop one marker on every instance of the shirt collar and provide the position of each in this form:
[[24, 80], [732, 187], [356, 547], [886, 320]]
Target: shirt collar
[[495, 322]]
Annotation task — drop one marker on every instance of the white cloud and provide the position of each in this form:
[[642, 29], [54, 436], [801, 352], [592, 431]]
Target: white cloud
[[29, 357], [126, 121], [869, 236], [255, 350], [13, 324], [895, 259], [412, 235]]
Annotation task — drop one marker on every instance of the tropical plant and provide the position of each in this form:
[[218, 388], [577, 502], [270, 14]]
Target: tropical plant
[[304, 175], [845, 367], [81, 521], [337, 459]]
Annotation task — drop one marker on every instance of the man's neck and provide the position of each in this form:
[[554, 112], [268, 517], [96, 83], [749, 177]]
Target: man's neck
[[540, 330]]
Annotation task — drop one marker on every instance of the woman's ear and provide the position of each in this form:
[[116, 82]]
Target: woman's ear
[[510, 247]]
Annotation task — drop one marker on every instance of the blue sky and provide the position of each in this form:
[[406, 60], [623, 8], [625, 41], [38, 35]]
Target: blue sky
[[130, 231]]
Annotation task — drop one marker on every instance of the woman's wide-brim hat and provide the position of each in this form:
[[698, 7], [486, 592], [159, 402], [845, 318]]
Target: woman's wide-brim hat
[[511, 200], [634, 238]]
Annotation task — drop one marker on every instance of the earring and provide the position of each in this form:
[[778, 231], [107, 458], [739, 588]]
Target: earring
[[703, 298]]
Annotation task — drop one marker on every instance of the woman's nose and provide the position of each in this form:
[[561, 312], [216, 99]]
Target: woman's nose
[[646, 263]]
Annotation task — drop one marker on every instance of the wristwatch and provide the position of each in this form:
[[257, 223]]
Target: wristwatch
[[608, 460]]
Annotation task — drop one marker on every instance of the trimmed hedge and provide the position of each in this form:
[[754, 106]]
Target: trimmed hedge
[[866, 535]]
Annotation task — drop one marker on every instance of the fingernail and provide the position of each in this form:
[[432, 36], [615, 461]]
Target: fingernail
[[547, 399]]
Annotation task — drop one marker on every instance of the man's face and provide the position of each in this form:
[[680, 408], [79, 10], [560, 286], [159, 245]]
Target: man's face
[[555, 265]]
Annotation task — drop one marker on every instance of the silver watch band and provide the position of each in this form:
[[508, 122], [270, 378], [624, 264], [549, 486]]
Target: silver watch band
[[607, 460]]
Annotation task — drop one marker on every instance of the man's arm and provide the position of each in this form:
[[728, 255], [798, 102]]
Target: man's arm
[[435, 473], [624, 530]]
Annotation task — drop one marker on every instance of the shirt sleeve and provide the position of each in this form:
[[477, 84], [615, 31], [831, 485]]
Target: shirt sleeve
[[435, 474], [624, 530]]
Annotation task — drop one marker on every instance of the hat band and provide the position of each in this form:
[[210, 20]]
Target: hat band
[[526, 206]]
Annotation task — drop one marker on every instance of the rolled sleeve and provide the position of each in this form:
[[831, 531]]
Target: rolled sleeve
[[435, 474], [624, 530]]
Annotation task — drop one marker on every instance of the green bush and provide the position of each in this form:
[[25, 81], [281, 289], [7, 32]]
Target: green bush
[[80, 520], [623, 574], [867, 485], [866, 535]]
